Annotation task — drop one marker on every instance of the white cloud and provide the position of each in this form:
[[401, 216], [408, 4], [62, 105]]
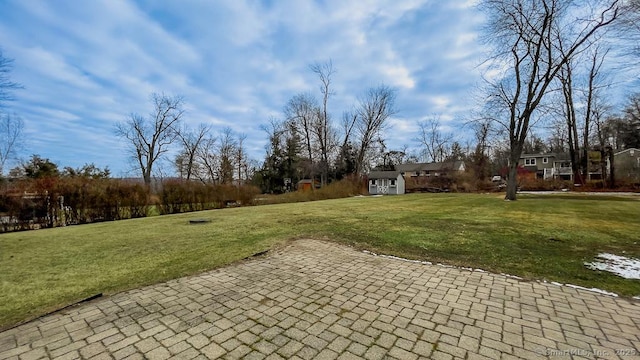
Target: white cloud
[[236, 62], [399, 76]]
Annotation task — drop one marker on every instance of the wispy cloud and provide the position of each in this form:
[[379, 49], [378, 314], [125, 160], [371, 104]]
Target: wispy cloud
[[88, 65]]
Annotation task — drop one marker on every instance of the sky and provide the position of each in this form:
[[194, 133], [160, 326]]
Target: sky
[[86, 65]]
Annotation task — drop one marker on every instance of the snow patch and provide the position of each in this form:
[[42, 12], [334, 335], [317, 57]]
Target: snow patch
[[627, 268], [596, 290], [511, 276], [429, 263]]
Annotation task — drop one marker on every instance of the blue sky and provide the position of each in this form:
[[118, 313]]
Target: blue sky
[[86, 65]]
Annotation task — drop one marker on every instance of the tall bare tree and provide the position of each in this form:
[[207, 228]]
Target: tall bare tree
[[480, 157], [302, 112], [150, 137], [242, 163], [371, 115], [435, 143], [11, 125], [524, 34], [595, 59], [207, 159], [6, 85], [322, 127], [595, 84], [566, 79], [191, 141], [227, 151], [11, 137]]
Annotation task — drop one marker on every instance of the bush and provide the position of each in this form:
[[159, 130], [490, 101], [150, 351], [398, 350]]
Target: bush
[[349, 186], [179, 196]]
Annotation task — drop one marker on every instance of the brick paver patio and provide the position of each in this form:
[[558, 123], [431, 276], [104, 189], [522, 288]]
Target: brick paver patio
[[319, 300]]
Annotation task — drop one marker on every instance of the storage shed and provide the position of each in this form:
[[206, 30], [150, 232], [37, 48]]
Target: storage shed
[[386, 183]]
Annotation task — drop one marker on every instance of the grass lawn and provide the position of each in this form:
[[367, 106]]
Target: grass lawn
[[536, 237]]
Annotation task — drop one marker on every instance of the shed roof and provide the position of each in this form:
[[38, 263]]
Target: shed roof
[[384, 174]]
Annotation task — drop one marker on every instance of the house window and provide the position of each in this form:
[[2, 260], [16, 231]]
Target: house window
[[373, 181], [544, 160], [530, 161], [393, 183]]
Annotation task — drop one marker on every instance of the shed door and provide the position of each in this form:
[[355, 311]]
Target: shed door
[[383, 188]]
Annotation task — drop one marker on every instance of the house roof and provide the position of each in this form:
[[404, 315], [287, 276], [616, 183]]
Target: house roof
[[384, 174], [434, 166], [558, 156]]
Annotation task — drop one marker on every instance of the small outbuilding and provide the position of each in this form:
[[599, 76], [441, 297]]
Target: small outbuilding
[[307, 184], [386, 183]]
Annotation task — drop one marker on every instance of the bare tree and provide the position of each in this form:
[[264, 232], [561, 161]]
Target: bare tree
[[207, 160], [629, 28], [580, 161], [227, 149], [525, 35], [480, 157], [593, 110], [373, 110], [600, 111], [191, 142], [11, 125], [349, 120], [11, 130], [150, 137], [322, 127], [565, 75], [558, 137], [6, 85], [302, 111], [242, 163], [435, 143]]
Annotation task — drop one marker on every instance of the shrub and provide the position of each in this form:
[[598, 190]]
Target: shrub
[[349, 186], [178, 196]]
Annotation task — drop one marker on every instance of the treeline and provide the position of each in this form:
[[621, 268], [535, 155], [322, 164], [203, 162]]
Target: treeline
[[308, 144], [38, 195]]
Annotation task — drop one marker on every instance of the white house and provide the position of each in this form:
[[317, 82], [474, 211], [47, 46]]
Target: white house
[[386, 183]]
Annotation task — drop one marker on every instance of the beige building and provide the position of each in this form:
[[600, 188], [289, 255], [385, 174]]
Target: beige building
[[627, 165]]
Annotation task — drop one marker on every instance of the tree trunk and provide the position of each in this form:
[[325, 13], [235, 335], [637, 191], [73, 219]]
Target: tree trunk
[[512, 181], [612, 168], [603, 167]]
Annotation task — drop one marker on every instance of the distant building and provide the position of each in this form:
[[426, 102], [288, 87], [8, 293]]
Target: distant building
[[430, 169], [627, 165], [308, 184], [548, 165], [386, 183]]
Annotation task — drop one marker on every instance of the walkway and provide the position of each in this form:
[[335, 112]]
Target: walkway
[[320, 300]]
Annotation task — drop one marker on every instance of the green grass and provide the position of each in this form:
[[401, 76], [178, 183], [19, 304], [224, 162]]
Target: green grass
[[536, 237]]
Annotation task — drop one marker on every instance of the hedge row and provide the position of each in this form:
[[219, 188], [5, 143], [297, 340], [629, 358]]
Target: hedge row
[[50, 202]]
